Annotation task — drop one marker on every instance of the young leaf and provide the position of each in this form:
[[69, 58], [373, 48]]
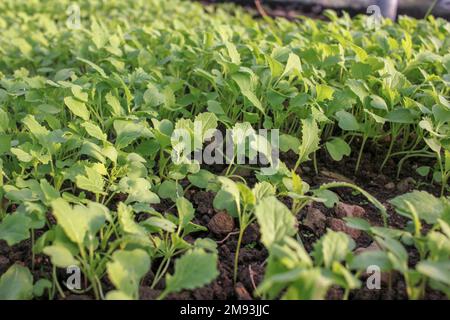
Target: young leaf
[[15, 228], [347, 121], [338, 148], [92, 181], [94, 131], [126, 270], [193, 270], [113, 102], [138, 190], [78, 108], [427, 206], [310, 139], [244, 82], [60, 256], [185, 211], [293, 65], [275, 221], [16, 284], [333, 246], [323, 92]]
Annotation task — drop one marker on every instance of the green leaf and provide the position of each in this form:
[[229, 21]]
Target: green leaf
[[126, 220], [378, 103], [60, 256], [333, 246], [48, 191], [215, 107], [92, 181], [156, 224], [358, 223], [126, 270], [330, 198], [78, 108], [309, 285], [94, 131], [207, 123], [40, 132], [21, 155], [127, 132], [437, 270], [338, 148], [138, 190], [347, 121], [428, 207], [398, 256], [424, 171], [202, 179], [400, 115], [360, 70], [225, 201], [194, 269], [153, 97], [170, 190], [275, 221], [113, 102], [16, 284], [40, 286], [232, 189], [78, 93], [77, 221], [93, 66], [185, 211], [118, 295], [15, 228], [323, 92], [359, 88], [293, 66], [262, 190], [4, 121], [371, 258], [244, 82], [233, 53], [288, 142], [310, 139]]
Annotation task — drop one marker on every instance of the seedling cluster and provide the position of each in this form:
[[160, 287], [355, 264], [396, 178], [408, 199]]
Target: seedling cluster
[[89, 105]]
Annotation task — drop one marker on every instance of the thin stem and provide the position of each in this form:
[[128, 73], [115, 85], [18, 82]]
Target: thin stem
[[388, 155], [430, 9], [360, 153], [236, 255]]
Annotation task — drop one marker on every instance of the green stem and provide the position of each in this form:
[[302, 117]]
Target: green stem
[[236, 255], [360, 153], [430, 9], [55, 281], [388, 155]]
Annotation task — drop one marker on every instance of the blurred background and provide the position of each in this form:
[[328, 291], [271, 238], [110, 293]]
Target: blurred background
[[314, 8]]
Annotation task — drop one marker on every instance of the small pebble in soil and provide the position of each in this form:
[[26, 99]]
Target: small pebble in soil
[[221, 223], [315, 220], [406, 185], [343, 210], [4, 262], [241, 292], [389, 186]]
